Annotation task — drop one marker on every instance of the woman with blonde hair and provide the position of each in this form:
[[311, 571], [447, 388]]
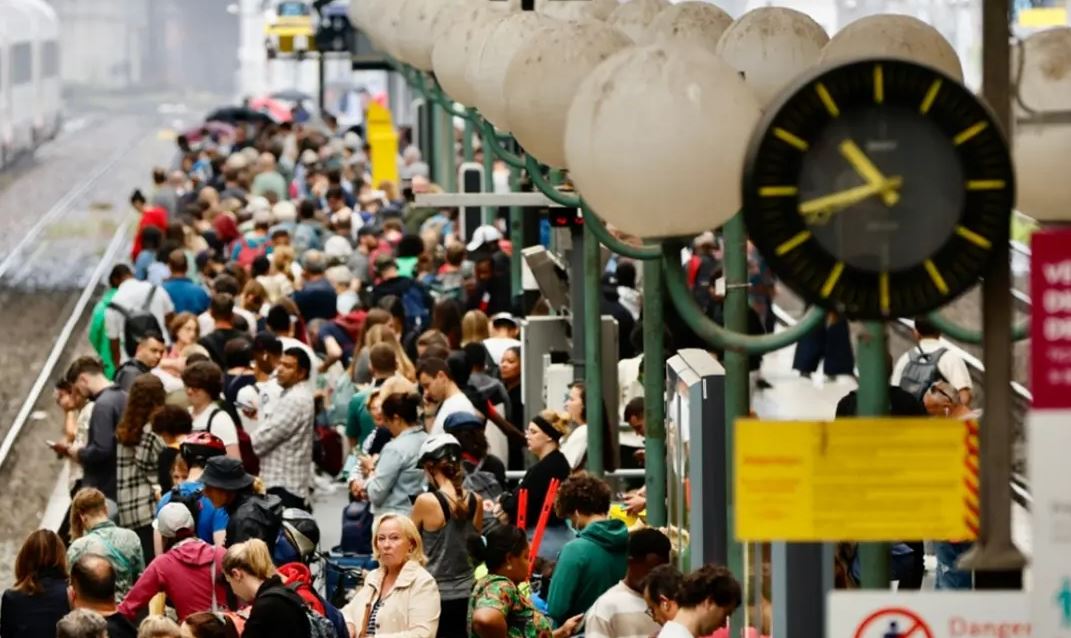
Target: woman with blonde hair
[[159, 627], [399, 595], [475, 327], [39, 598], [93, 532], [383, 333], [276, 609], [138, 459]]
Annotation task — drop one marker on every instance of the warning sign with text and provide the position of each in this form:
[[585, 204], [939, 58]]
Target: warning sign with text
[[927, 615], [856, 479], [1050, 319]]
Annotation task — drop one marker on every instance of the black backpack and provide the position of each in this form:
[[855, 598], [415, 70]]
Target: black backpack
[[258, 516], [137, 323], [921, 372], [192, 501]]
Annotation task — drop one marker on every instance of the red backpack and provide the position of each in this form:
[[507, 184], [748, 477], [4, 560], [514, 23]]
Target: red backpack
[[247, 254]]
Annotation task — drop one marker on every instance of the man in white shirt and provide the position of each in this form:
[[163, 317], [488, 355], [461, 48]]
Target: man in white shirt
[[950, 366], [621, 612], [132, 296], [204, 385], [440, 383], [504, 331], [708, 596]]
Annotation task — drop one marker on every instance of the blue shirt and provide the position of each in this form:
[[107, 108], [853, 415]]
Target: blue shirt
[[210, 520], [142, 263], [317, 300], [332, 329], [186, 295]]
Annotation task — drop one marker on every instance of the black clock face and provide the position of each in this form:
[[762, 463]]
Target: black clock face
[[878, 188]]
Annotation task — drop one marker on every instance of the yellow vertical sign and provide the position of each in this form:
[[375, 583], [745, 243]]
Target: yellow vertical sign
[[853, 479], [384, 142]]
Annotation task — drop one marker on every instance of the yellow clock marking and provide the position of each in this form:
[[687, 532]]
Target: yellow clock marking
[[879, 84], [973, 237], [931, 96], [969, 133], [883, 292], [986, 185], [935, 275], [831, 281], [778, 191], [792, 243], [827, 99], [790, 138]]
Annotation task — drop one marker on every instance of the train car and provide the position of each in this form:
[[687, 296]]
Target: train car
[[291, 28], [30, 87], [17, 60], [46, 75]]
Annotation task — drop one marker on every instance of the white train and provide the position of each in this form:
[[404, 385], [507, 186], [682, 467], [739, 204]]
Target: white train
[[30, 91]]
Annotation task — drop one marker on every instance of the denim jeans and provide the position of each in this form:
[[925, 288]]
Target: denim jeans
[[948, 577]]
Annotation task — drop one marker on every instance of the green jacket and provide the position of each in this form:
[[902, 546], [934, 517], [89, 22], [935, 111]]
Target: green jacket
[[359, 422], [587, 566], [97, 335]]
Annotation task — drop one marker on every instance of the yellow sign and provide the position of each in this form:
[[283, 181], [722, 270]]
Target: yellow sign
[[384, 142], [1043, 17], [856, 479]]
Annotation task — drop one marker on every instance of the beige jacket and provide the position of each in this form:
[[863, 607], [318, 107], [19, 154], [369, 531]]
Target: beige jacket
[[411, 610]]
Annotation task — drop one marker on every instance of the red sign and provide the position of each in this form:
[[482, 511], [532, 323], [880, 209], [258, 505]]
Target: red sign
[[1050, 319], [893, 622]]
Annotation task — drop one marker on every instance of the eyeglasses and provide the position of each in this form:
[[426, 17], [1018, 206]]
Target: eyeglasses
[[937, 389], [650, 613]]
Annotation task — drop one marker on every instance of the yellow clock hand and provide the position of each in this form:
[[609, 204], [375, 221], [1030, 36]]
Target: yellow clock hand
[[820, 209], [866, 169]]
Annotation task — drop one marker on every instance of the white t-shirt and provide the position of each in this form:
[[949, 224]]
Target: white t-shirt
[[261, 397], [497, 346], [457, 403], [131, 295], [222, 424], [620, 612], [575, 445], [674, 630], [951, 366], [206, 324]]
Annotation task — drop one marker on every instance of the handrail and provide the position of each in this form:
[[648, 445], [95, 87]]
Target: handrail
[[490, 140], [535, 172]]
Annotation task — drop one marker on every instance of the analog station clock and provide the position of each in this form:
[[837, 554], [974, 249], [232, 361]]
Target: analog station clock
[[878, 188]]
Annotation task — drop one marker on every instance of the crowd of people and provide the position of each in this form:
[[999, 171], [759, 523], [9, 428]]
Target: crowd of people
[[282, 325]]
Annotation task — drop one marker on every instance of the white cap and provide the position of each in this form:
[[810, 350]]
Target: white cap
[[173, 518], [483, 235], [284, 211], [309, 156]]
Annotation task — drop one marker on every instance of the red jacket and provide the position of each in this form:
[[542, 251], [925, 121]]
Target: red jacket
[[151, 216], [184, 573]]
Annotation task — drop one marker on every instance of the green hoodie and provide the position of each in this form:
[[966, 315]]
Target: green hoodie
[[587, 566]]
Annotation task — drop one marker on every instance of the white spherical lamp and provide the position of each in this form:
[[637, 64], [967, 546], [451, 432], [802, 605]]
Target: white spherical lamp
[[634, 17], [1041, 149], [655, 139], [417, 21], [897, 36], [698, 23], [456, 41], [771, 46], [488, 73], [543, 78], [601, 9]]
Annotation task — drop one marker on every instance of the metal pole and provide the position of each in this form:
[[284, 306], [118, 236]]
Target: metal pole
[[488, 176], [593, 405], [736, 383], [322, 81], [516, 236], [995, 558], [443, 138], [872, 357], [654, 393]]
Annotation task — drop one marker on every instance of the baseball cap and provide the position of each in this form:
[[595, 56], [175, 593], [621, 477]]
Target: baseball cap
[[503, 317], [483, 235], [439, 446], [172, 519], [284, 211], [462, 421], [309, 156]]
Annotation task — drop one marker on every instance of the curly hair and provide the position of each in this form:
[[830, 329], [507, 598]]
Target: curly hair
[[146, 397], [583, 494]]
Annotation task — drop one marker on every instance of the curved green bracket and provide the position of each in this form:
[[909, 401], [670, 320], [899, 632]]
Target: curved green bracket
[[602, 233], [716, 335], [535, 171], [490, 140], [435, 92], [1020, 331]]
